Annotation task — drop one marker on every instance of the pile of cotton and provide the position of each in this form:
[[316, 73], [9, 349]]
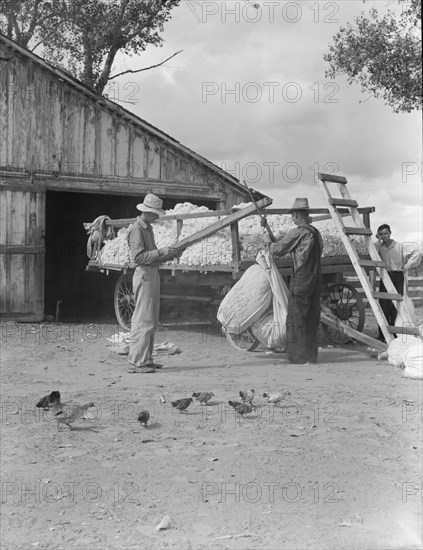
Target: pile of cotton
[[116, 251], [217, 249]]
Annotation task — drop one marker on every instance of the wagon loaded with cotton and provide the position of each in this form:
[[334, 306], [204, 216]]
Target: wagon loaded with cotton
[[217, 247]]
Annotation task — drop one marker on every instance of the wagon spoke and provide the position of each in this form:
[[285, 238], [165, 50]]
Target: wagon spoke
[[244, 341], [345, 303], [124, 301]]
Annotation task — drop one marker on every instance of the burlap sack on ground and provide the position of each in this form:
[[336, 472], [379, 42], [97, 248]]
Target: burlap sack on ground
[[247, 301]]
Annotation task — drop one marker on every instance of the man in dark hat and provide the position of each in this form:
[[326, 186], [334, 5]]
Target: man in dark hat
[[146, 284], [305, 245]]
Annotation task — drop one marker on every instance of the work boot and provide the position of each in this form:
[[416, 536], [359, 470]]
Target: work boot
[[141, 370], [154, 365]]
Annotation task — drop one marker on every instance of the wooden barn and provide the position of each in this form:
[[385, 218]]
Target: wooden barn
[[68, 155]]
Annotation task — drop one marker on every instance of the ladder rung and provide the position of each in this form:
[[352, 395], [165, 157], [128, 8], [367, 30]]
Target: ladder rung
[[331, 177], [372, 263], [403, 330], [343, 202], [357, 231], [387, 296]]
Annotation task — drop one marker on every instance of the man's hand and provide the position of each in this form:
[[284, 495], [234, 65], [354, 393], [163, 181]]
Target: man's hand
[[167, 251], [267, 239]]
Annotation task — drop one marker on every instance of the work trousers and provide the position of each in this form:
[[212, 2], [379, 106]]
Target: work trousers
[[302, 326], [387, 306], [146, 287]]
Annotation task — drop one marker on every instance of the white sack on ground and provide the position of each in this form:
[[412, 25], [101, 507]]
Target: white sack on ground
[[407, 353], [413, 361], [396, 350], [246, 302], [270, 330]]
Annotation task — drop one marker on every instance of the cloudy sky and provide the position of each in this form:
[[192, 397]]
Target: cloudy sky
[[249, 93]]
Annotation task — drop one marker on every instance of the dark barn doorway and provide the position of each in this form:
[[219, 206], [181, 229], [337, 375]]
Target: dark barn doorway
[[83, 295]]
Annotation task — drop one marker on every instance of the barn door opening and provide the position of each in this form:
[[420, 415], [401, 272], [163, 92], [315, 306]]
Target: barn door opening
[[75, 294], [22, 226]]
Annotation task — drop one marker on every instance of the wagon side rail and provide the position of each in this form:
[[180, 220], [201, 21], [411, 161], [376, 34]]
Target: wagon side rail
[[320, 215]]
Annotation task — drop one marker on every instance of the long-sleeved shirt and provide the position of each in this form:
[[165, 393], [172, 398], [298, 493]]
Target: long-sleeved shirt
[[142, 247], [397, 257], [299, 241]]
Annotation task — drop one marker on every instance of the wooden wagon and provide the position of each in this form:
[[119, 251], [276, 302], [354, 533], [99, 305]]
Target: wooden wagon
[[209, 284]]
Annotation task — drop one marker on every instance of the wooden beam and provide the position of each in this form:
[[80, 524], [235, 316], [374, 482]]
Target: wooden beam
[[324, 217], [217, 226], [236, 245], [108, 185], [387, 296], [343, 202], [357, 231], [21, 249], [124, 222], [331, 177], [412, 331], [284, 211], [163, 189], [372, 263], [330, 320]]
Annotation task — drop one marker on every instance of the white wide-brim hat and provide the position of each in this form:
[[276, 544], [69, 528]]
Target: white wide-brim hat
[[151, 203], [299, 204]]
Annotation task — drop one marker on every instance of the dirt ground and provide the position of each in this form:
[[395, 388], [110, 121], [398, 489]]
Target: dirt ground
[[337, 466]]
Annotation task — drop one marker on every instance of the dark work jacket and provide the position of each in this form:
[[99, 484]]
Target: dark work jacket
[[305, 245]]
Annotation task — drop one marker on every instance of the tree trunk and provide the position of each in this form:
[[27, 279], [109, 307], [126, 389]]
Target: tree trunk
[[107, 67], [10, 26], [87, 75]]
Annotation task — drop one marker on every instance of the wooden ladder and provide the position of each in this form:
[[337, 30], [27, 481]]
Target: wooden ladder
[[360, 264]]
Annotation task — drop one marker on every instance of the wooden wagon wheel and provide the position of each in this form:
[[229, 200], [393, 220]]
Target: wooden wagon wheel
[[346, 304], [124, 300], [245, 341]]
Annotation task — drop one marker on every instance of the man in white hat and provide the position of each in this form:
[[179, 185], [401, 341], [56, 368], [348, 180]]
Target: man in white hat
[[146, 284], [305, 244]]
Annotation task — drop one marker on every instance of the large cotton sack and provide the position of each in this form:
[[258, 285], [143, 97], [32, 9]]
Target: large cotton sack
[[247, 300], [270, 330], [413, 361], [398, 348]]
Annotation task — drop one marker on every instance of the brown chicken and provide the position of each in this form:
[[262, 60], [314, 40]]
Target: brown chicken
[[247, 396], [241, 408], [182, 404], [143, 418], [203, 397], [68, 413], [47, 400]]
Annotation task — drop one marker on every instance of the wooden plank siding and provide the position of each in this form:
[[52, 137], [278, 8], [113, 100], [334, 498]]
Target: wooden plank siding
[[22, 221], [57, 125], [56, 134]]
